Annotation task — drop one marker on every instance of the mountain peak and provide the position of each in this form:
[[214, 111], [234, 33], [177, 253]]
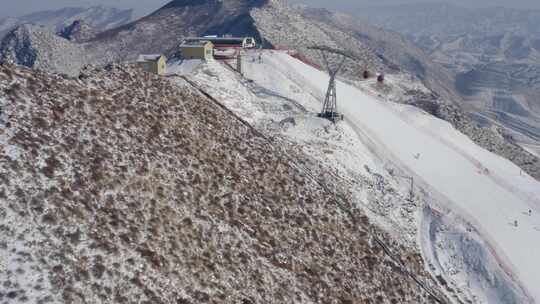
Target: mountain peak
[[78, 31], [212, 5], [181, 3], [41, 48]]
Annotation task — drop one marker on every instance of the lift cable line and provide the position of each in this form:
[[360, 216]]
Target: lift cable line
[[339, 199], [330, 110]]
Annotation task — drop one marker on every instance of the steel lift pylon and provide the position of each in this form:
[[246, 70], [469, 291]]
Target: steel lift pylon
[[330, 108]]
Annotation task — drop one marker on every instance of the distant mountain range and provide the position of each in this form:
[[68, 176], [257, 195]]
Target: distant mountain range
[[493, 53], [99, 17]]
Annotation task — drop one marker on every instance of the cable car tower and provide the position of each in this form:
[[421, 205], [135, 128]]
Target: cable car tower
[[330, 110]]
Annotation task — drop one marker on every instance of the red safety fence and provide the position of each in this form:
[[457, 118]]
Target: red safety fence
[[297, 55]]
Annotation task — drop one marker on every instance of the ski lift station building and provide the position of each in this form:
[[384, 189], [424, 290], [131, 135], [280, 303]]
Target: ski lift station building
[[227, 42], [197, 49], [153, 63]]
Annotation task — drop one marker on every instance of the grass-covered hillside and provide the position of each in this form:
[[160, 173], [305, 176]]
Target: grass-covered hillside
[[118, 187]]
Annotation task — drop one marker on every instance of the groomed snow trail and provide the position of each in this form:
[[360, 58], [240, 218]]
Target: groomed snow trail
[[483, 188]]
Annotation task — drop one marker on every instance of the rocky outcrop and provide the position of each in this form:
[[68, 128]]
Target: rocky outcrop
[[40, 48], [78, 31], [120, 187]]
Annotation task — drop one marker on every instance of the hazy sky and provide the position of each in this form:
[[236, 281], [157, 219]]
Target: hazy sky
[[466, 3], [20, 7]]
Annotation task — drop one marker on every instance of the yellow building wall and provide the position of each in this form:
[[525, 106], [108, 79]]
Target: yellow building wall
[[161, 66], [193, 53], [198, 52], [157, 67]]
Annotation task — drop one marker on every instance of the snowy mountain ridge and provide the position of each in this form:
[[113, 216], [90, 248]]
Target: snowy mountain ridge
[[99, 17], [40, 47]]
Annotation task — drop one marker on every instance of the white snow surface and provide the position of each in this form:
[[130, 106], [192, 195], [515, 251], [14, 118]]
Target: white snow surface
[[485, 191], [488, 190], [182, 67]]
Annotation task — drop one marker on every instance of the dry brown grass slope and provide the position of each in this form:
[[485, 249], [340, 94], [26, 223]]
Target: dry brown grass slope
[[118, 187]]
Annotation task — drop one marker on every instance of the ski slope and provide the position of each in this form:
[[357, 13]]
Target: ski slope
[[488, 191]]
